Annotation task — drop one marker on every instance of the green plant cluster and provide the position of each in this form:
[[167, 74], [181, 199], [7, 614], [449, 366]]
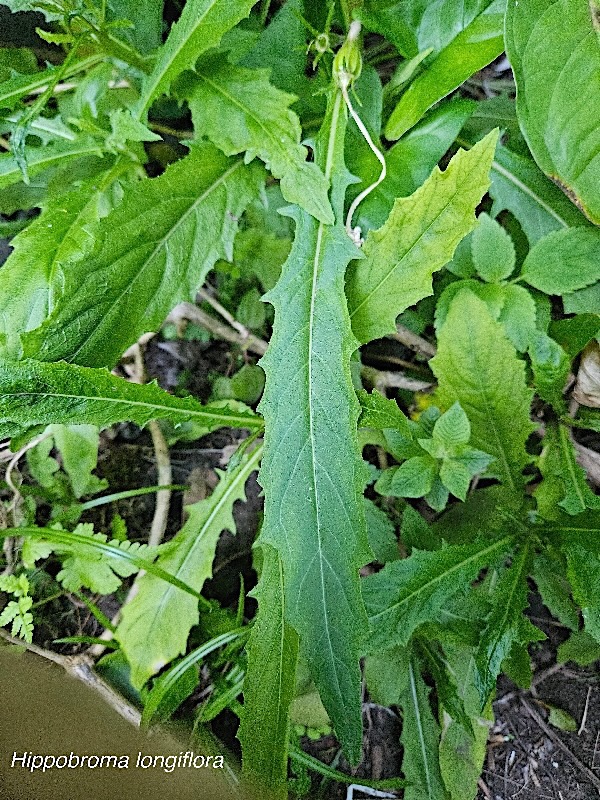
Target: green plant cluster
[[342, 172]]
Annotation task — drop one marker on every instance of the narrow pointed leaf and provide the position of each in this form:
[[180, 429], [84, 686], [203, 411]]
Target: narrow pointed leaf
[[239, 110], [412, 591], [171, 231], [200, 27], [270, 684], [40, 158], [155, 625], [419, 237], [562, 132], [312, 470], [478, 366], [34, 393]]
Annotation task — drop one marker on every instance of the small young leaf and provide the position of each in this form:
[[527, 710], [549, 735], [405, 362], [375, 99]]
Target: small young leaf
[[414, 478], [493, 250], [155, 625], [453, 427], [551, 367], [239, 110], [564, 261], [419, 237], [34, 393]]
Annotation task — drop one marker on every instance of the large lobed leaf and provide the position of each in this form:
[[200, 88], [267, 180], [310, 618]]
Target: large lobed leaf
[[419, 237], [312, 470], [270, 684], [152, 252], [239, 110], [478, 366], [34, 393], [155, 625], [412, 591], [200, 27], [554, 50]]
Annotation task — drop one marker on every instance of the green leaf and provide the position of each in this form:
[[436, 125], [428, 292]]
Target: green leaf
[[381, 533], [584, 301], [562, 132], [239, 110], [452, 428], [551, 367], [414, 478], [410, 592], [312, 472], [564, 481], [583, 572], [473, 48], [40, 158], [33, 272], [381, 413], [564, 261], [574, 333], [419, 237], [200, 27], [410, 161], [155, 625], [270, 684], [477, 366], [146, 19], [13, 89], [493, 250], [420, 740], [580, 647], [78, 447], [549, 574], [519, 186], [34, 393], [518, 316], [172, 229], [506, 626]]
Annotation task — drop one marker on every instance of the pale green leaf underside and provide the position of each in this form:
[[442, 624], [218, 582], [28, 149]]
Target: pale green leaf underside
[[35, 393], [200, 27], [312, 468], [152, 252], [412, 591], [270, 684], [563, 132], [419, 237], [239, 110], [155, 625], [478, 366]]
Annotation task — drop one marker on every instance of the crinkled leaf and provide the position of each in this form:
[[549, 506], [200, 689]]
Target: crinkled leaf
[[564, 261], [270, 684], [312, 469], [563, 133], [200, 27], [171, 231], [35, 393], [410, 592], [155, 625], [477, 366], [419, 237], [239, 110]]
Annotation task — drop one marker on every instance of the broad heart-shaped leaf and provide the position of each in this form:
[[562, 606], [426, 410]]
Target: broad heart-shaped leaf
[[31, 275], [564, 261], [562, 132], [34, 393], [519, 186], [155, 625], [200, 27], [473, 48], [410, 592], [420, 740], [152, 252], [507, 626], [40, 158], [477, 366], [419, 237], [312, 470], [239, 110], [270, 684]]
